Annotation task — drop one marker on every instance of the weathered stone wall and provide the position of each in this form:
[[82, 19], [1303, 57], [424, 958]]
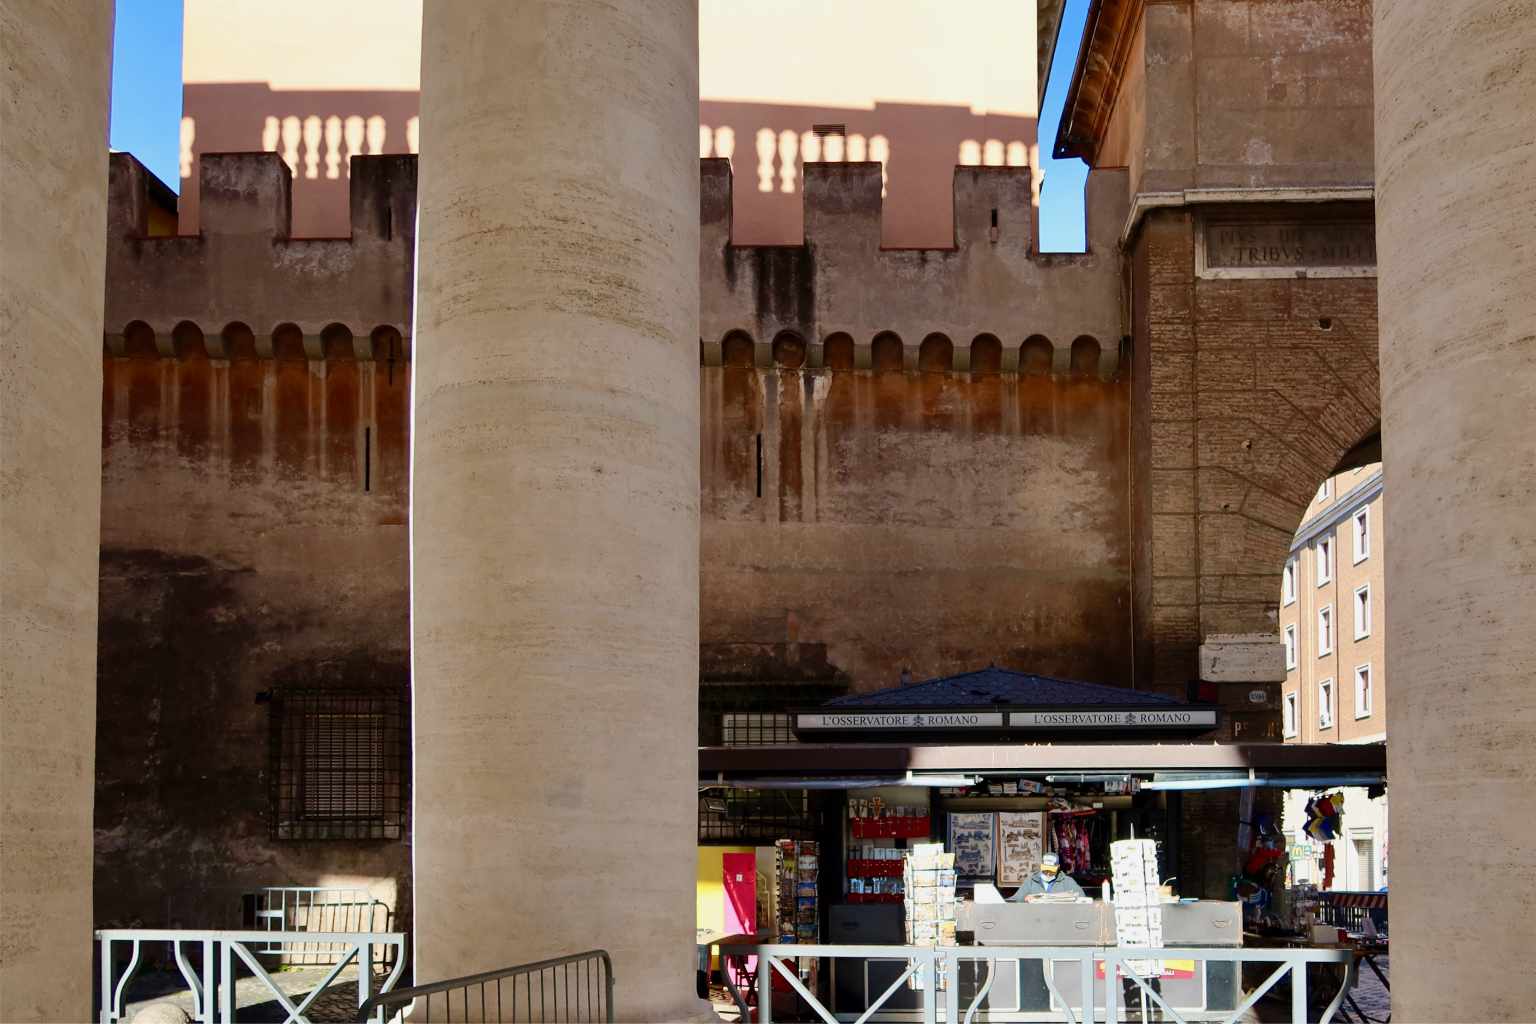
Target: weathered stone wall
[[928, 520], [944, 481], [1245, 93], [253, 536], [240, 552], [913, 458]]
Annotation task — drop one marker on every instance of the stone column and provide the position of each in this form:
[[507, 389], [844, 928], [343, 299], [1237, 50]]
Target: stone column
[[55, 76], [555, 530], [1456, 238]]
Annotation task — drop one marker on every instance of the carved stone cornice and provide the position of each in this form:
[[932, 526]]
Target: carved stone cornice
[[1096, 78]]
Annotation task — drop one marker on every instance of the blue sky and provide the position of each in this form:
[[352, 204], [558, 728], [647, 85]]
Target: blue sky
[[146, 108], [146, 85], [1061, 199]]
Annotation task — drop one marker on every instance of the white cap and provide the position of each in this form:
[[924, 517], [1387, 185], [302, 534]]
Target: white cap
[[1050, 860]]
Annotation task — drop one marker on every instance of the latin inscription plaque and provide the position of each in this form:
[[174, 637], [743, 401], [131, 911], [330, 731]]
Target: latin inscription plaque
[[1255, 248]]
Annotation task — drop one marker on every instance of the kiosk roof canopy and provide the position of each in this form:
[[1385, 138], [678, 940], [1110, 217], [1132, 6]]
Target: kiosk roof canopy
[[1214, 758], [1001, 686]]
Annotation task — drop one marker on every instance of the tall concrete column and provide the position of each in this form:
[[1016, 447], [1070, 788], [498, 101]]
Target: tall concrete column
[[55, 76], [1456, 239], [555, 530]]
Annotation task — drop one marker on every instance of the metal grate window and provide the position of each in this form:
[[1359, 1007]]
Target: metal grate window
[[756, 816], [339, 764], [755, 729]]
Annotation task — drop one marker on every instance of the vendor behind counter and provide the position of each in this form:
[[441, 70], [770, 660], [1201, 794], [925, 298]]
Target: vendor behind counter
[[1050, 880]]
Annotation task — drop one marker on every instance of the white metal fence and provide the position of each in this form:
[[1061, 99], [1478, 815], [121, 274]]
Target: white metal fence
[[309, 908], [208, 962], [934, 973]]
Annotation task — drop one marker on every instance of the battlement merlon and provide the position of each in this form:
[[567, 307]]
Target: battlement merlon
[[843, 206], [244, 266]]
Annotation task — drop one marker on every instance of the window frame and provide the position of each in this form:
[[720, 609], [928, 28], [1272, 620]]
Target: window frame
[[1290, 715], [1288, 583], [1291, 641], [1325, 559], [1360, 521], [1363, 590], [1325, 697], [339, 763], [1324, 490], [756, 728], [1325, 633], [1364, 669], [1357, 836]]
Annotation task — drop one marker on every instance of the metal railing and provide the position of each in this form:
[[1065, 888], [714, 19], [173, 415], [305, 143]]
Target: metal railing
[[312, 908], [934, 973], [1350, 909], [212, 980], [576, 988]]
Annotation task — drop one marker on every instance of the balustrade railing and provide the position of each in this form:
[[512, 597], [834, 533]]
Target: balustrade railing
[[208, 963], [934, 975]]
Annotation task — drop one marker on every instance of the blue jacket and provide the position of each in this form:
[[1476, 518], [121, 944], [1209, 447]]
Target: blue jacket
[[1035, 885]]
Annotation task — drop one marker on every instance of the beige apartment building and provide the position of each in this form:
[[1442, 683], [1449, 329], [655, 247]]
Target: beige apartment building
[[1333, 624]]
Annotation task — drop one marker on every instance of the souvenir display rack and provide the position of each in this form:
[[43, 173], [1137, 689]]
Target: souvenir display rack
[[798, 863], [876, 876]]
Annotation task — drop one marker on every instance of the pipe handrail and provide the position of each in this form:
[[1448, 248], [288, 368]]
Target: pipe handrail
[[381, 1007]]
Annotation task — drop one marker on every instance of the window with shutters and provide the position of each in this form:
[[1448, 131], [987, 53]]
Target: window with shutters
[[1325, 561], [339, 763], [1363, 694]]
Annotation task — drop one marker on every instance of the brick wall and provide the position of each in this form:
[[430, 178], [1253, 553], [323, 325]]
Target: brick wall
[[1248, 394]]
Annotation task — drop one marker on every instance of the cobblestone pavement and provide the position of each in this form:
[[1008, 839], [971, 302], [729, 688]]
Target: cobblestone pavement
[[1370, 996], [1374, 1000], [254, 1001]]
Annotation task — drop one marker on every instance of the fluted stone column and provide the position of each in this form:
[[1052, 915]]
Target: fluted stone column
[[1456, 237], [55, 75], [555, 529]]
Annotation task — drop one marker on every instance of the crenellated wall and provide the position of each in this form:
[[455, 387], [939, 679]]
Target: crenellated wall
[[255, 451], [911, 458], [840, 290], [244, 268]]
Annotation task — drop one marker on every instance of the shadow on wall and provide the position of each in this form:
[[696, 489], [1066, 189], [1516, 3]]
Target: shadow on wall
[[317, 132], [919, 144]]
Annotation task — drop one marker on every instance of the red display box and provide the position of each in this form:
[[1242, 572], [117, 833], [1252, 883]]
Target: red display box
[[858, 867], [890, 827]]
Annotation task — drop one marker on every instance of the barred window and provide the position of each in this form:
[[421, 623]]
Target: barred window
[[755, 729], [744, 816], [339, 764]]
